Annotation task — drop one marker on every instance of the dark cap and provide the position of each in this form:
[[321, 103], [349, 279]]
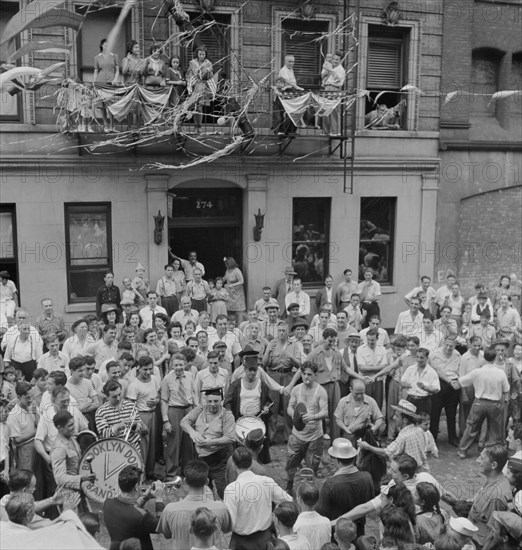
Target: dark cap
[[219, 345], [299, 323], [5, 274], [515, 464], [486, 314], [248, 351], [213, 391], [292, 306]]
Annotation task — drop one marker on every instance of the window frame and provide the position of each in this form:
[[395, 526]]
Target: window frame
[[313, 201], [68, 208], [8, 261], [393, 230], [411, 68], [19, 116]]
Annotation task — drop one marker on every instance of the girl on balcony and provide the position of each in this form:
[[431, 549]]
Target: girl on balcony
[[176, 80], [155, 69], [200, 83], [106, 71]]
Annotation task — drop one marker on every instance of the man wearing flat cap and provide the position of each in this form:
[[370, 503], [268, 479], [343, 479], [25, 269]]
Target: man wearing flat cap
[[212, 429], [269, 327], [485, 330]]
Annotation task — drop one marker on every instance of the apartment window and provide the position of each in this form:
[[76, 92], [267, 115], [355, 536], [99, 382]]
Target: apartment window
[[10, 102], [8, 243], [376, 239], [485, 66], [302, 39], [97, 26], [311, 239], [387, 71], [89, 248], [216, 38]]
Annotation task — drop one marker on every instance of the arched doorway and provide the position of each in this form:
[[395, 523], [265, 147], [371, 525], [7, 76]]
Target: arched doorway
[[207, 220]]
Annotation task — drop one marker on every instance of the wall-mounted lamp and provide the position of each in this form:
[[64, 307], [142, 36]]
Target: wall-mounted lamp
[[260, 223], [159, 221]]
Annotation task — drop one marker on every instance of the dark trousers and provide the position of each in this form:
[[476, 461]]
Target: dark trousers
[[27, 368], [199, 305], [171, 304], [280, 404], [217, 464], [180, 449], [423, 404], [447, 399], [484, 409], [376, 390], [298, 450], [255, 541]]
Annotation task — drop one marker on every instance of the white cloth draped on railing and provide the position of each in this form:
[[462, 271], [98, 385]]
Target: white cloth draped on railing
[[296, 106]]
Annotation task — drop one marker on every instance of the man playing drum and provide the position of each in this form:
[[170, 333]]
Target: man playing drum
[[307, 434], [249, 398], [211, 428], [118, 417]]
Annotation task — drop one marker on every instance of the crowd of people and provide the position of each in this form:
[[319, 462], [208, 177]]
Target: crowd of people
[[202, 387]]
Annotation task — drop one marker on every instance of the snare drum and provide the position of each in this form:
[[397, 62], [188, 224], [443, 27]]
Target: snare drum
[[106, 458], [85, 439], [246, 424]]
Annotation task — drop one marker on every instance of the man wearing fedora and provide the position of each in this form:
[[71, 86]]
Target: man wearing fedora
[[411, 439], [348, 487], [282, 288]]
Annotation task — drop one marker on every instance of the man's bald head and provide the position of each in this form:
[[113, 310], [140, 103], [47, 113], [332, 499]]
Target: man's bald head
[[358, 385]]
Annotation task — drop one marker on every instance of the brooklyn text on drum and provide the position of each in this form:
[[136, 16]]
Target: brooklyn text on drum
[[106, 458]]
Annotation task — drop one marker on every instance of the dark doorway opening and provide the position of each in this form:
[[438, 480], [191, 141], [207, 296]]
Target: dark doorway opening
[[207, 220]]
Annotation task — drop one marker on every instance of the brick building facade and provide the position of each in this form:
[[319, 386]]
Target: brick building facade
[[479, 220]]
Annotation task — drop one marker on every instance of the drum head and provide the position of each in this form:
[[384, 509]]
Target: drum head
[[85, 439], [106, 458], [246, 424]]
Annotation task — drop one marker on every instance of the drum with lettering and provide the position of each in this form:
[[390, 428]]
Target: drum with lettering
[[106, 458], [246, 424]]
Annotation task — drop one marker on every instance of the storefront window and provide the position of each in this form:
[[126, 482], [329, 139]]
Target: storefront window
[[376, 238], [89, 250], [311, 239]]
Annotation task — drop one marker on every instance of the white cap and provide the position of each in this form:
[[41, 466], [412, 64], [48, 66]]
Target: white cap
[[463, 526]]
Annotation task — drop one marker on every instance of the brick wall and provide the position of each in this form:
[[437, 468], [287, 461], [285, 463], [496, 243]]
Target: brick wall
[[490, 237]]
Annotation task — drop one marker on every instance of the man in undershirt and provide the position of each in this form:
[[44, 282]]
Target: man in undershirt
[[309, 440]]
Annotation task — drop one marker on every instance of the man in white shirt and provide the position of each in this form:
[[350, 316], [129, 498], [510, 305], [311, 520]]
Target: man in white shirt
[[148, 312], [421, 382], [54, 359], [429, 294], [185, 313], [334, 83], [21, 316], [260, 305], [249, 502], [297, 296], [471, 360], [314, 527], [228, 338], [285, 516], [370, 294], [444, 292], [371, 358], [409, 323], [287, 72], [429, 337], [491, 395]]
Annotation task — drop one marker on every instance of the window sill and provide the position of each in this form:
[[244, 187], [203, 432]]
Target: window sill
[[388, 289], [81, 307], [397, 134], [10, 127]]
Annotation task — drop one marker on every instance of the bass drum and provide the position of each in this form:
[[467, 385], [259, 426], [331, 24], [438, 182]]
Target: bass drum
[[247, 424], [106, 458], [85, 439]]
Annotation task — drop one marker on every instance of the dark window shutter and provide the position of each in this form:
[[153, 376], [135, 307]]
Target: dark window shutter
[[299, 40], [384, 65]]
